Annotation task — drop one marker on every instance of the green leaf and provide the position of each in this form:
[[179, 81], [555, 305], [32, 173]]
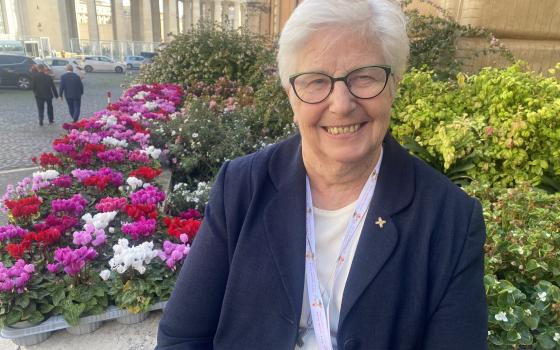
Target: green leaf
[[46, 308], [13, 316], [72, 313], [546, 341], [36, 317], [58, 296], [532, 322], [23, 301]]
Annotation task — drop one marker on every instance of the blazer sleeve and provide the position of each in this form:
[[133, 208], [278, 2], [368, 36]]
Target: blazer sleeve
[[81, 84], [461, 318], [192, 313], [52, 87], [62, 85]]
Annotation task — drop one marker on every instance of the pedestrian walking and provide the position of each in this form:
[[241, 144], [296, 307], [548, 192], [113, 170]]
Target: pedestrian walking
[[44, 90], [72, 89]]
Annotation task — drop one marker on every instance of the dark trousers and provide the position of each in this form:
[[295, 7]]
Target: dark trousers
[[74, 105], [41, 108]]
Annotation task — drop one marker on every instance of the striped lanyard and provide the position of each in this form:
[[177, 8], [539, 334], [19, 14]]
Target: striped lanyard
[[319, 311]]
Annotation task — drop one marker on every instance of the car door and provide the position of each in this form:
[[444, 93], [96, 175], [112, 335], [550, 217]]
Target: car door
[[9, 69], [107, 64], [58, 67]]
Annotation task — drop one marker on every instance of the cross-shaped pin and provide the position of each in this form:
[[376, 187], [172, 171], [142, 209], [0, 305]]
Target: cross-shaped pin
[[380, 222]]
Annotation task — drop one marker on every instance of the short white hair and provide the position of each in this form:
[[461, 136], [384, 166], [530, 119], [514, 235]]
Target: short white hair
[[381, 20]]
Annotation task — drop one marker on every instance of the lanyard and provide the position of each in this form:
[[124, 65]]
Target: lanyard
[[319, 311]]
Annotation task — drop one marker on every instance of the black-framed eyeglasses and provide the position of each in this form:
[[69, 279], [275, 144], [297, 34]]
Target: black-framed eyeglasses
[[363, 83]]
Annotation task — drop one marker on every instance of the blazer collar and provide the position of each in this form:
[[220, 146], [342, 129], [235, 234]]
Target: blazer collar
[[285, 220]]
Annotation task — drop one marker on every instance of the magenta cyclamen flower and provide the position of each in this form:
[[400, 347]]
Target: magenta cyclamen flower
[[11, 231], [115, 176], [89, 235], [73, 260], [148, 195], [173, 253], [74, 206], [15, 277], [64, 181], [141, 228], [115, 155], [82, 174], [138, 156], [108, 204], [52, 221]]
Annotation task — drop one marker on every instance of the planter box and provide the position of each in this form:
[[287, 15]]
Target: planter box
[[36, 334]]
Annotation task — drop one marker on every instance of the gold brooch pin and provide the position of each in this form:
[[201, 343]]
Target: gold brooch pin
[[380, 222]]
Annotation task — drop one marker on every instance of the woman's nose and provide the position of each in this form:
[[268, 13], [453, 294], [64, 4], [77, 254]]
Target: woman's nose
[[341, 101]]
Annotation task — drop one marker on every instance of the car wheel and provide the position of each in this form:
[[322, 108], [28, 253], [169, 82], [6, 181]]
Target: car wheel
[[129, 66], [24, 82], [118, 69], [88, 69]]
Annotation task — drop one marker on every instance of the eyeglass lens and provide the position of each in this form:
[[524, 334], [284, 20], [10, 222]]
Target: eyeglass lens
[[365, 82]]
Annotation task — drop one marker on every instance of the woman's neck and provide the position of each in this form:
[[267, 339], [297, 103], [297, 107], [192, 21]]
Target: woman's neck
[[336, 185]]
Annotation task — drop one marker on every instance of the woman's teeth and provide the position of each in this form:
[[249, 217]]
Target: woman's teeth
[[339, 130]]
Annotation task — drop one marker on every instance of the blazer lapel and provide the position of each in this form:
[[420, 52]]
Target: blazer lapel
[[379, 237], [284, 220]]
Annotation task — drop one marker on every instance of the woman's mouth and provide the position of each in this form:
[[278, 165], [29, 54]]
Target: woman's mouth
[[343, 130]]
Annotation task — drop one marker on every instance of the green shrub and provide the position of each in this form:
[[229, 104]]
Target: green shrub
[[500, 126], [522, 266], [206, 53]]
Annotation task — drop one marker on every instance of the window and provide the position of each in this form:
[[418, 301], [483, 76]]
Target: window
[[59, 63], [5, 59], [105, 59]]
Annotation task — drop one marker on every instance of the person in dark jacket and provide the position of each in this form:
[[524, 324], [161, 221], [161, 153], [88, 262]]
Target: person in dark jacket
[[337, 238], [72, 88], [44, 90]]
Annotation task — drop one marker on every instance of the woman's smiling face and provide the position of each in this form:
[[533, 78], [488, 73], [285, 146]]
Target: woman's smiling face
[[342, 129]]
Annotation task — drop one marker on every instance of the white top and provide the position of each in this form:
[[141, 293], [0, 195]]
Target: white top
[[330, 226]]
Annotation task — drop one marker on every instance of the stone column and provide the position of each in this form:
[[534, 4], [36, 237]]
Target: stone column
[[238, 22], [218, 14], [93, 29], [155, 21], [196, 11], [170, 13], [120, 21], [187, 15], [137, 20]]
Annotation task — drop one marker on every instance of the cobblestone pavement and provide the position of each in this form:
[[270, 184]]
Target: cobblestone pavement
[[21, 137]]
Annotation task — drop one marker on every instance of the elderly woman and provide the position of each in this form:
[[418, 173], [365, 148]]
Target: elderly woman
[[335, 238]]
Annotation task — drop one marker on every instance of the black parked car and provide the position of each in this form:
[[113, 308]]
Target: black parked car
[[15, 70]]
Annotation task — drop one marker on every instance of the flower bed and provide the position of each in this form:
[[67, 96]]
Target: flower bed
[[88, 230]]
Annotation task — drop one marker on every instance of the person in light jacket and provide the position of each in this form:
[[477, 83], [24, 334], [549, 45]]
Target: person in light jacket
[[336, 238], [72, 88]]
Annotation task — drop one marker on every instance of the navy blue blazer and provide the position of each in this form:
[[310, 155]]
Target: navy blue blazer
[[415, 283], [71, 85]]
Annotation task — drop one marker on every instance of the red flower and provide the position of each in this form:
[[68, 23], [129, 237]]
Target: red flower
[[92, 147], [48, 236], [98, 181], [136, 211], [138, 128], [24, 207], [16, 250], [47, 159], [146, 173], [177, 226]]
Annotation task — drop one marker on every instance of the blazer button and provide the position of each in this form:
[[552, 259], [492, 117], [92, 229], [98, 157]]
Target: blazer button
[[351, 344]]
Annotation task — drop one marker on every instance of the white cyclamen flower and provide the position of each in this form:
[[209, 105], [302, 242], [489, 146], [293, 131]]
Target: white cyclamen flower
[[542, 296], [135, 257], [140, 95], [105, 274], [99, 220], [556, 337], [47, 174], [153, 152], [151, 106], [111, 141], [109, 120], [136, 116], [134, 182], [501, 316]]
